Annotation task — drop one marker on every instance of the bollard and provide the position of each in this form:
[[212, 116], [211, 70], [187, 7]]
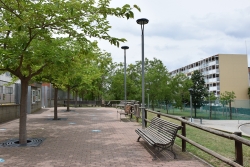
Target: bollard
[[200, 120], [158, 115]]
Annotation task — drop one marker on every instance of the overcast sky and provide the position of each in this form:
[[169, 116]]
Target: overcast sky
[[181, 32]]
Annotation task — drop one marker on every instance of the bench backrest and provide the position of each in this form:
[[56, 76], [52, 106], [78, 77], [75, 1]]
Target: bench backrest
[[164, 129], [128, 109]]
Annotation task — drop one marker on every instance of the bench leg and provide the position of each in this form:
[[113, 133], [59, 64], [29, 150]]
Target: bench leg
[[138, 138], [173, 152]]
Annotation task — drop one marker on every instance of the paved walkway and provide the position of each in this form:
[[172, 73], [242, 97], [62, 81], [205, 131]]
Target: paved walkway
[[230, 126], [91, 137]]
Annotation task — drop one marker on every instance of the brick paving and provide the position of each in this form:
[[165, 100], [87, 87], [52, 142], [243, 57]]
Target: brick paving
[[91, 137]]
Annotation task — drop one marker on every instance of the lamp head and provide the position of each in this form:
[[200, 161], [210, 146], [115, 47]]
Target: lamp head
[[142, 21], [124, 47], [190, 90]]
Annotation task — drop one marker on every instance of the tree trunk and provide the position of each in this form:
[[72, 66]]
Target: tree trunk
[[23, 112], [195, 112], [55, 103], [230, 110], [68, 99], [166, 106], [153, 106], [75, 99]]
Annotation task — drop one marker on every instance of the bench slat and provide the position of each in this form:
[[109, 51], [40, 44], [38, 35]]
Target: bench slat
[[160, 133]]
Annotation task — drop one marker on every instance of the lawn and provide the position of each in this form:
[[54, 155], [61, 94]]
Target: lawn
[[213, 142]]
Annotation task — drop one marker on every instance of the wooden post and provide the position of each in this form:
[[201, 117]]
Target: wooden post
[[146, 117], [158, 115], [238, 150], [131, 112], [183, 133]]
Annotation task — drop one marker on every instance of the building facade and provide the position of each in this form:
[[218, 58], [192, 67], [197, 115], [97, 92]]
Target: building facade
[[7, 89], [222, 72]]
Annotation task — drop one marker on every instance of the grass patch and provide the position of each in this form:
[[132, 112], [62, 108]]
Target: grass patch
[[220, 145]]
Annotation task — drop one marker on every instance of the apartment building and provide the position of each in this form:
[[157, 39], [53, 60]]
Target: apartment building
[[222, 72], [7, 90]]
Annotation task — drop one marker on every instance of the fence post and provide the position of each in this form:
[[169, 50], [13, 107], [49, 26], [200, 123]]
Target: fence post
[[146, 117], [238, 150], [131, 112], [183, 133], [158, 115]]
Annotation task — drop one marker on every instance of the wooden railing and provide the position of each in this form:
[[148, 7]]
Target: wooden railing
[[236, 137]]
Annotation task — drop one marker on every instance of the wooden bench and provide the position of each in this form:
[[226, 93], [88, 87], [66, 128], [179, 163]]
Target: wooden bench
[[160, 134], [127, 111]]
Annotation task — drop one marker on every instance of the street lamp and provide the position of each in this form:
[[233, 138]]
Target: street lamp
[[142, 22], [125, 92], [191, 92]]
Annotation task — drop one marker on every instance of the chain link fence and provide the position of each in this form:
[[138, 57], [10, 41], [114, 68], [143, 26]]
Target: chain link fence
[[240, 110]]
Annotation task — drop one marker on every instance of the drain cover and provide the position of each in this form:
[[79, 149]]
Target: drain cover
[[31, 142], [58, 119], [1, 160]]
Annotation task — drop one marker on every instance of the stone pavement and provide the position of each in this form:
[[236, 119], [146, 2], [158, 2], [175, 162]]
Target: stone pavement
[[90, 137], [230, 126]]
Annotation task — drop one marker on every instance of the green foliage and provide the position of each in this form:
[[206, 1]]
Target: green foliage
[[227, 98], [33, 34], [248, 92], [199, 90], [179, 86], [156, 77]]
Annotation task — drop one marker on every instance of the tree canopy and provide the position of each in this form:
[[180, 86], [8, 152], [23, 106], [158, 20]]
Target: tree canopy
[[199, 90], [31, 33]]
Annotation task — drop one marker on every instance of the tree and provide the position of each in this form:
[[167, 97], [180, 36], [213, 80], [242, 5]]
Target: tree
[[248, 92], [199, 90], [179, 85], [28, 30], [209, 98], [156, 77], [227, 98]]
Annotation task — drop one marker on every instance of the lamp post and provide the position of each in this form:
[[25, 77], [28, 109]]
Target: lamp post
[[191, 92], [148, 98], [125, 91], [142, 22]]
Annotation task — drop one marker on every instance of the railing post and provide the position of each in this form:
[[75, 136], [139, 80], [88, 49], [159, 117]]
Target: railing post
[[131, 112], [158, 115], [183, 133], [146, 117], [238, 150]]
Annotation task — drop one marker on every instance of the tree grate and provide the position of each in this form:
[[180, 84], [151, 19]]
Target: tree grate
[[58, 119], [31, 142], [67, 111]]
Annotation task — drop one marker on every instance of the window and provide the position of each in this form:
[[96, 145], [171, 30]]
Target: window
[[1, 89], [33, 96], [7, 74], [38, 94], [8, 90]]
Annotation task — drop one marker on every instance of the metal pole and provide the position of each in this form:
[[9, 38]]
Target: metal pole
[[191, 108], [148, 100], [143, 95], [125, 92], [142, 21]]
